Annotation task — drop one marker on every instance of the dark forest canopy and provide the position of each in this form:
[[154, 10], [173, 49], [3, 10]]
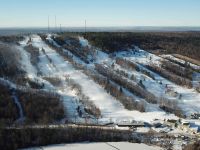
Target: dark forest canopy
[[184, 43]]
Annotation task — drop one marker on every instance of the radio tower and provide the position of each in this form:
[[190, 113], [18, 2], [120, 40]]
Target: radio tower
[[55, 24], [48, 24], [60, 28], [85, 27]]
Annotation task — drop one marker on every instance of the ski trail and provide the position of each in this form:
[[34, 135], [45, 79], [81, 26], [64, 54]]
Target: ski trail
[[109, 106], [190, 98], [48, 70]]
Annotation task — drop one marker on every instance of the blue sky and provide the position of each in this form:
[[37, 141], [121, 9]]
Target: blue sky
[[34, 13]]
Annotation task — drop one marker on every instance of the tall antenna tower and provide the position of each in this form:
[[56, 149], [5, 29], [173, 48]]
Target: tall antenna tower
[[85, 26], [60, 28], [55, 23], [48, 24]]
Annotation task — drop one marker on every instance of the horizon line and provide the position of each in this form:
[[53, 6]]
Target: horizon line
[[79, 27], [144, 26]]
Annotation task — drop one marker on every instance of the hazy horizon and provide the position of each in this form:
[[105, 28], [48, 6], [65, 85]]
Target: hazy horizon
[[126, 13], [35, 30]]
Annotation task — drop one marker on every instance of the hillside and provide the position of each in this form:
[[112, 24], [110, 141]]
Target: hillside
[[184, 43], [99, 79]]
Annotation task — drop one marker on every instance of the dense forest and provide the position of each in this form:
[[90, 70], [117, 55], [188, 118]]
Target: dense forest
[[11, 39], [28, 105], [184, 43], [194, 146], [33, 101], [29, 137]]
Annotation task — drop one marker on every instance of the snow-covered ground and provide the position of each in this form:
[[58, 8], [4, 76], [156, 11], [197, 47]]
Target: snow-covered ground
[[181, 61], [83, 42], [196, 75], [110, 108], [52, 64], [140, 56], [98, 146], [190, 98]]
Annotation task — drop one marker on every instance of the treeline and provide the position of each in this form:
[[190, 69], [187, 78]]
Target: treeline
[[127, 64], [89, 106], [134, 66], [24, 138], [187, 59], [41, 107], [34, 53], [132, 87], [128, 102], [185, 43], [8, 109], [72, 44], [10, 65], [170, 76], [171, 106], [184, 64], [12, 39], [55, 81], [10, 62], [194, 146], [185, 72], [165, 104], [48, 58], [66, 55]]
